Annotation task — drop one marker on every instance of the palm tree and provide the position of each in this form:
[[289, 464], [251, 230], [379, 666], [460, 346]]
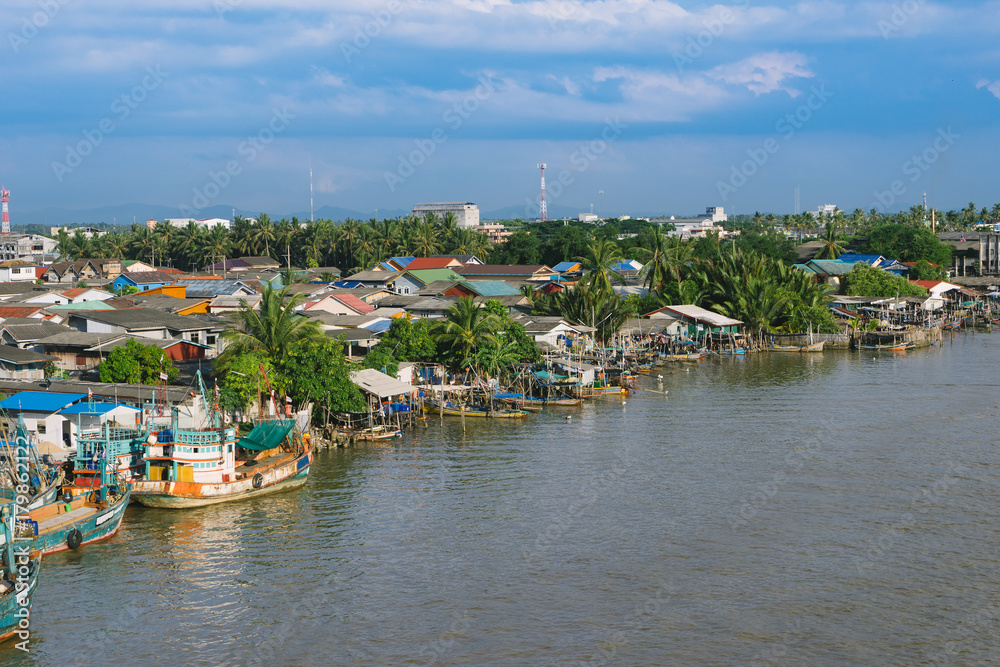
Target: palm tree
[[601, 255], [241, 236], [467, 328], [63, 246], [272, 328], [263, 234], [832, 248], [215, 244], [187, 243]]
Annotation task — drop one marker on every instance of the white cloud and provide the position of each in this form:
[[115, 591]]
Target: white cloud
[[765, 72], [992, 86]]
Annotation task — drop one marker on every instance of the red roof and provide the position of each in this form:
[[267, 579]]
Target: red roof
[[927, 284], [74, 291], [354, 303], [19, 311], [40, 270], [430, 263]]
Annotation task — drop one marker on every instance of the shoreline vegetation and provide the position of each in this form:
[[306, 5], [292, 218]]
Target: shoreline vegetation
[[747, 273]]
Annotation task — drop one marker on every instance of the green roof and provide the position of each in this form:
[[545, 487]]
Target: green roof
[[427, 276], [831, 267], [489, 288], [803, 267], [85, 305]]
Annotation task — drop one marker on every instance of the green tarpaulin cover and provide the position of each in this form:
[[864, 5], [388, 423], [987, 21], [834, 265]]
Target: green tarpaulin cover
[[267, 435]]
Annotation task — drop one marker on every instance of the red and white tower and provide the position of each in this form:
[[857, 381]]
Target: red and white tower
[[541, 204], [5, 196]]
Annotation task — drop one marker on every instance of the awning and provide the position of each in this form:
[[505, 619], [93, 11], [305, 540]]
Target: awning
[[379, 384]]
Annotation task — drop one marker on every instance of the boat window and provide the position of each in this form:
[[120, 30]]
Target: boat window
[[195, 450]]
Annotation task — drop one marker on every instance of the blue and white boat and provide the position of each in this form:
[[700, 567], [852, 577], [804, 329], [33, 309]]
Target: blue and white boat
[[18, 578]]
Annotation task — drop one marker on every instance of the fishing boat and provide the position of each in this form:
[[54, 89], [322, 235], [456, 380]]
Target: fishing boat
[[476, 412], [534, 403], [889, 347], [373, 433], [811, 347], [18, 577], [732, 351], [193, 467], [89, 509], [22, 456], [690, 356]]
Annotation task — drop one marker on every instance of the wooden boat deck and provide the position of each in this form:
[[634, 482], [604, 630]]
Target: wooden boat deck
[[265, 464], [69, 517]]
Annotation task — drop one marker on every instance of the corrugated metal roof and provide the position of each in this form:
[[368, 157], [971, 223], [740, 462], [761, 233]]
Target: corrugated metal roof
[[206, 288], [427, 276], [562, 267], [17, 356], [492, 288], [378, 383], [31, 332], [39, 401], [95, 408], [705, 316]]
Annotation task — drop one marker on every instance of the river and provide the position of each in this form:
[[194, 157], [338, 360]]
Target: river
[[831, 509]]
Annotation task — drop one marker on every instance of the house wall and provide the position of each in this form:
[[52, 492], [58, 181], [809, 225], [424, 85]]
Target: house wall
[[333, 307], [33, 371], [405, 284]]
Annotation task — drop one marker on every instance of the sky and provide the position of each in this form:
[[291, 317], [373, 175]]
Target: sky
[[666, 107]]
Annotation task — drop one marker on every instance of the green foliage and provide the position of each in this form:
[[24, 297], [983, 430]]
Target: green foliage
[[570, 242], [925, 271], [865, 280], [406, 340], [768, 242], [272, 328], [54, 372], [135, 363], [587, 305], [908, 244], [243, 379], [521, 247], [317, 369], [466, 328], [83, 283], [124, 290]]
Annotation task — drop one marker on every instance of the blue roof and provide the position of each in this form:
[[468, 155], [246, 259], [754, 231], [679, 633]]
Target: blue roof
[[378, 327], [627, 265], [39, 401], [95, 408], [564, 266], [849, 258], [402, 261]]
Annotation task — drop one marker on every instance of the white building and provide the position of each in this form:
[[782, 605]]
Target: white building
[[466, 213], [588, 217], [88, 232], [208, 223], [826, 209], [716, 214]]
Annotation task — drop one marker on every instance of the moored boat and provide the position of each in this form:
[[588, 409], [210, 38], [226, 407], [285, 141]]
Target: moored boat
[[18, 579], [811, 347], [197, 467]]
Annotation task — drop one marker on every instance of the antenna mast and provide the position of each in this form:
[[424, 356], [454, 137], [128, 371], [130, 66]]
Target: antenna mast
[[541, 206], [5, 196]]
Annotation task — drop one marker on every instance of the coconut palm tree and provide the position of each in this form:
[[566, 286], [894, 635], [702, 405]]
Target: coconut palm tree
[[263, 234], [601, 255], [272, 328], [467, 328], [832, 248]]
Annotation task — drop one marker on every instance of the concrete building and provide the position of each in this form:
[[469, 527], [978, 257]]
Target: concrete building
[[496, 233], [688, 228], [466, 213], [208, 223], [828, 210], [33, 247]]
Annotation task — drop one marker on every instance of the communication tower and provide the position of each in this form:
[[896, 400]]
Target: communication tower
[[5, 196], [541, 205]]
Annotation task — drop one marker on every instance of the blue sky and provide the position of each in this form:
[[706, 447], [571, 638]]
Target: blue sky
[[668, 107]]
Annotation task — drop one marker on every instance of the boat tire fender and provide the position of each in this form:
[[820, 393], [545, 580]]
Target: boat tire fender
[[258, 481], [67, 496], [74, 539]]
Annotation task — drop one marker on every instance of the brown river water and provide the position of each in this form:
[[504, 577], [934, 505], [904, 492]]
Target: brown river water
[[831, 509]]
